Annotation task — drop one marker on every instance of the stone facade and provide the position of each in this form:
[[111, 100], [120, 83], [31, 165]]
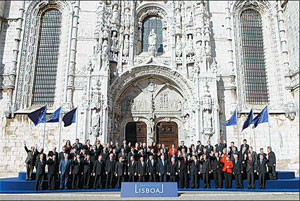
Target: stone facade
[[196, 81]]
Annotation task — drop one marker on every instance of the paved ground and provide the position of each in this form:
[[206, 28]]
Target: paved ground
[[182, 196]]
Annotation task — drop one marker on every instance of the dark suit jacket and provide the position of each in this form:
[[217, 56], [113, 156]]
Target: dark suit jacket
[[250, 167], [206, 167], [87, 166], [242, 146], [183, 166], [132, 168], [216, 164], [162, 169], [261, 167], [141, 169], [98, 168], [120, 167], [131, 154], [237, 167], [199, 147], [271, 158], [194, 168], [220, 147], [40, 167], [110, 166], [65, 166], [77, 166], [173, 168], [151, 168], [52, 166], [209, 148]]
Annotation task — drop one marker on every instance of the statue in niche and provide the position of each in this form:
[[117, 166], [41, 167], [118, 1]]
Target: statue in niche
[[178, 21], [127, 19], [190, 48], [126, 46], [178, 47], [290, 110], [114, 42], [214, 66], [94, 130], [152, 42], [207, 49], [207, 111], [105, 54]]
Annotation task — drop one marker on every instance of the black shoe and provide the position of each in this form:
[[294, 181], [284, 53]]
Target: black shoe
[[253, 187]]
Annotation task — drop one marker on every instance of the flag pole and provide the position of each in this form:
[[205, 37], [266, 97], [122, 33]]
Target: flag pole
[[44, 135], [254, 138], [76, 122], [269, 132], [59, 136], [238, 129]]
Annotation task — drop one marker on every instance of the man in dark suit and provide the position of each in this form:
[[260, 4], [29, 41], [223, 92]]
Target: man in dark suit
[[52, 171], [98, 171], [206, 170], [77, 145], [199, 147], [141, 169], [244, 145], [209, 147], [220, 146], [271, 163], [87, 171], [120, 171], [40, 172], [217, 166], [65, 169], [231, 148], [151, 169], [195, 172], [162, 169], [237, 171], [132, 169], [233, 152], [61, 155], [173, 170], [30, 160], [41, 152], [261, 152], [184, 171], [182, 146], [132, 153], [125, 146], [250, 169], [109, 171], [77, 164], [261, 171]]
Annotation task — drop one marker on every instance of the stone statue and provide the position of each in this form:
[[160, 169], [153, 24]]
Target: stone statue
[[178, 22], [178, 46], [214, 66], [152, 42], [207, 111], [290, 110], [190, 46], [126, 46], [95, 125], [116, 15], [114, 42]]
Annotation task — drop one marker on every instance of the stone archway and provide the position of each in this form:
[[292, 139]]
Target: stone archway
[[149, 94]]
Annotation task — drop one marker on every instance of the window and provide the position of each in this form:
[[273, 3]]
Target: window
[[47, 58], [253, 57], [149, 24]]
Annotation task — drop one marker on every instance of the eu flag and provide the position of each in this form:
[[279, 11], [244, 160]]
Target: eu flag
[[54, 117], [38, 116], [232, 121], [69, 118], [262, 117], [248, 120]]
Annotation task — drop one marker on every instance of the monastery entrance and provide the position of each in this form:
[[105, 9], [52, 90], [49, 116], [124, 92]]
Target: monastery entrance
[[136, 132], [167, 133]]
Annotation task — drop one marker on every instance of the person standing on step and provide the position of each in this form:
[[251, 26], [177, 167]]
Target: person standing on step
[[87, 171], [216, 167], [195, 172], [271, 163], [206, 170], [162, 169], [238, 171], [261, 171], [120, 171], [250, 169], [227, 169], [98, 172], [173, 170], [141, 169], [77, 164], [65, 169], [40, 172], [109, 170], [184, 171], [52, 170], [30, 160], [132, 165], [151, 169]]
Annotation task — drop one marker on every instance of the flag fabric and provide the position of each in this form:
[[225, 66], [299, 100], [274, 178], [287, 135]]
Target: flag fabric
[[262, 117], [54, 117], [38, 116], [69, 118], [249, 120], [232, 121]]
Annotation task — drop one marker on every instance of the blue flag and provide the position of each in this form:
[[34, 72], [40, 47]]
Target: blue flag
[[54, 117], [38, 116], [248, 121], [69, 118], [232, 121], [262, 117]]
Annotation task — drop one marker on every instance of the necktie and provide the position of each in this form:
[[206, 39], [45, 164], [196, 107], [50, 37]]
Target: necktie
[[163, 163], [42, 162], [195, 163], [250, 162]]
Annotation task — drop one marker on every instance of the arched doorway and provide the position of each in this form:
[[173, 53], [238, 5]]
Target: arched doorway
[[167, 133], [136, 132]]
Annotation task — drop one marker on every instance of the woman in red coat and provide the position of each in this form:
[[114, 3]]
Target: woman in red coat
[[173, 151], [227, 169]]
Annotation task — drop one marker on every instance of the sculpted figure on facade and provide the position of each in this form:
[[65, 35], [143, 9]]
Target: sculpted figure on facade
[[178, 21], [116, 15], [290, 110], [178, 46], [207, 112], [190, 48], [95, 128], [114, 43], [152, 42], [126, 46]]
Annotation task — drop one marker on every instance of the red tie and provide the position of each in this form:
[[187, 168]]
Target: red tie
[[195, 163], [42, 162], [250, 162]]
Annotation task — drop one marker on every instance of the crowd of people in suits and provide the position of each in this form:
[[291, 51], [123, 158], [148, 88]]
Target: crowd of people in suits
[[106, 166]]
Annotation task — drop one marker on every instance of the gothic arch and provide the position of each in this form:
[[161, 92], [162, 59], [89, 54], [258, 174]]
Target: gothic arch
[[270, 41], [27, 64]]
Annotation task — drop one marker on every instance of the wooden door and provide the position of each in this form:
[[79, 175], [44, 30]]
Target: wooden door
[[136, 132], [167, 133]]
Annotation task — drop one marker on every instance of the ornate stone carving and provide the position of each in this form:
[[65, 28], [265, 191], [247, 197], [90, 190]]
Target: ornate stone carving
[[152, 43], [290, 110], [178, 46]]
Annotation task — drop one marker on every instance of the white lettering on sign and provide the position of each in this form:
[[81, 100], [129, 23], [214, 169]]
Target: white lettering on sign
[[148, 190]]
